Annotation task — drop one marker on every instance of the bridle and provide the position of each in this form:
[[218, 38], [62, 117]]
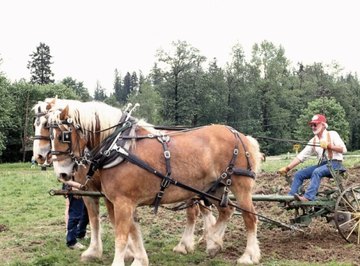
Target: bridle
[[65, 138], [37, 120]]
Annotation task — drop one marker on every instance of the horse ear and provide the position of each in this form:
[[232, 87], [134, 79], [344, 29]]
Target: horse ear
[[51, 103], [53, 100], [64, 113]]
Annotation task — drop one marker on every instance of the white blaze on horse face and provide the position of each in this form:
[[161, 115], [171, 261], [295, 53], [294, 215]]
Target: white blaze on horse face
[[41, 147]]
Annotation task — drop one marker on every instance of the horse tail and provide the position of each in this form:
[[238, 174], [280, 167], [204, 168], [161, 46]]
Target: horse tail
[[254, 150]]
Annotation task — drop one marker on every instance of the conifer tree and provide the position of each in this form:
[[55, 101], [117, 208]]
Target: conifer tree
[[39, 65]]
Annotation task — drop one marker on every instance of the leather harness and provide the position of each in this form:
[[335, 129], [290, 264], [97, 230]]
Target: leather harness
[[105, 154]]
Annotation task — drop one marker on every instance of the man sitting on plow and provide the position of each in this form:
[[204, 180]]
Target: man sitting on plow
[[324, 142]]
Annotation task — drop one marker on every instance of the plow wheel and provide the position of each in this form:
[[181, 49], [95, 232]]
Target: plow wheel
[[347, 214]]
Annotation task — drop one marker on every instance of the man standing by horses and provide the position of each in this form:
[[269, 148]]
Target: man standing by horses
[[328, 146]]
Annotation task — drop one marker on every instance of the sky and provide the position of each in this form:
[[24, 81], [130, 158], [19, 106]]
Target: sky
[[89, 39]]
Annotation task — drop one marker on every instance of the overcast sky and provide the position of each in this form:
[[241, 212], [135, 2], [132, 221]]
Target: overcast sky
[[89, 39]]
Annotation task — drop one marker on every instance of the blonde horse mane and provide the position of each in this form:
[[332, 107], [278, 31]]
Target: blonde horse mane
[[254, 149], [98, 117]]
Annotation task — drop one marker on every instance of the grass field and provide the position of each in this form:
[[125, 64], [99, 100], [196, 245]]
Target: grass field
[[32, 227]]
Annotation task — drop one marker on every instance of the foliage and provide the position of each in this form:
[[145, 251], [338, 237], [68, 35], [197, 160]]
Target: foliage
[[150, 103], [334, 112], [6, 112], [39, 65], [182, 73], [99, 94], [77, 87], [261, 96], [23, 97], [118, 88]]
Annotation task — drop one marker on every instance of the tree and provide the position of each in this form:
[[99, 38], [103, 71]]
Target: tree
[[134, 81], [150, 103], [99, 94], [24, 96], [334, 113], [181, 70], [77, 87], [39, 65], [271, 83], [118, 88], [127, 87], [6, 111]]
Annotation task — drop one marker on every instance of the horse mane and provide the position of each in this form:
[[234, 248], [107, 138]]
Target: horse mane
[[254, 149], [50, 104]]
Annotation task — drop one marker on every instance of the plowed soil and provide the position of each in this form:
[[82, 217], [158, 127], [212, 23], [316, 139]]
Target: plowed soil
[[320, 242]]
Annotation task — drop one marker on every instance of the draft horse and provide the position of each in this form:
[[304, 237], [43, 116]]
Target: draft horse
[[41, 152], [200, 158]]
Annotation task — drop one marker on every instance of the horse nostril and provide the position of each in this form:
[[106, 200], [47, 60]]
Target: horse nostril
[[40, 159], [65, 177]]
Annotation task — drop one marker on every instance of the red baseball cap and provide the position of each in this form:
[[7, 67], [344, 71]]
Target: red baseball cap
[[317, 119]]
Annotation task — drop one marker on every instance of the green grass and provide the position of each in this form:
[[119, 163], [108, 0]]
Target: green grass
[[33, 228]]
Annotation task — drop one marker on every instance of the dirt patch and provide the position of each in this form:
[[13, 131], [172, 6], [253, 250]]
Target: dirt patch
[[319, 243], [3, 228]]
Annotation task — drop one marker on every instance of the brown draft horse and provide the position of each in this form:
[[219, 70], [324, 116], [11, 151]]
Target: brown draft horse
[[198, 158], [41, 152]]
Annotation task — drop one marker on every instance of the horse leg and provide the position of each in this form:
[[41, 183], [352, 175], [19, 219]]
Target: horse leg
[[215, 233], [186, 243], [110, 210], [242, 191], [129, 255], [127, 232], [95, 248], [136, 247]]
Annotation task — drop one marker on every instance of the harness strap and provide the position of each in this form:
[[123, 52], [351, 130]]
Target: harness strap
[[164, 139], [330, 153]]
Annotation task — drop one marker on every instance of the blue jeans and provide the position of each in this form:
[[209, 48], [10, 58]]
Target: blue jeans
[[78, 220], [314, 173]]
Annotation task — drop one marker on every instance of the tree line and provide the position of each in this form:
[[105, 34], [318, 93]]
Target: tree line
[[263, 96]]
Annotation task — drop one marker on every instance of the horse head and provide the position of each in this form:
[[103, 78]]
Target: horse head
[[68, 143], [41, 139]]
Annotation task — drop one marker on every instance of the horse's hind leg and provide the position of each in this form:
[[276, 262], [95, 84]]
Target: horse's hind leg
[[186, 243], [136, 247], [215, 234], [95, 248], [242, 191]]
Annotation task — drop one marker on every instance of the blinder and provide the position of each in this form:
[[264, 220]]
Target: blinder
[[65, 136]]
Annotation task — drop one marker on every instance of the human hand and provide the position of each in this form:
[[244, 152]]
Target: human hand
[[324, 144], [283, 170]]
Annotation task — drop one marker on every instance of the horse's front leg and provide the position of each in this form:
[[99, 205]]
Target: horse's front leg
[[127, 232], [95, 248], [242, 192], [186, 243]]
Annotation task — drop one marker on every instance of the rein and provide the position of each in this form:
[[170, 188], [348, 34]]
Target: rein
[[288, 140]]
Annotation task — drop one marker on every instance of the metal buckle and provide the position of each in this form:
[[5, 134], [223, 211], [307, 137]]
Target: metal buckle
[[167, 154]]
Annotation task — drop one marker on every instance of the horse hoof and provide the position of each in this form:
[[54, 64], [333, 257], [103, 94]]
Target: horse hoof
[[180, 249], [91, 254], [213, 251], [245, 260], [88, 258]]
